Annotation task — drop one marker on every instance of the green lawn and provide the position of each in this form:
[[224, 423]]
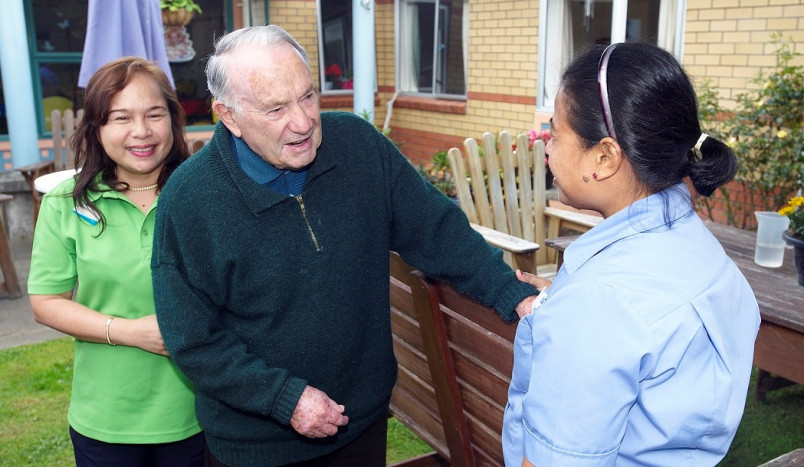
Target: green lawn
[[35, 387]]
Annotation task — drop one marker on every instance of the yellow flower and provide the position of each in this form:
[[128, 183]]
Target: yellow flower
[[732, 142], [796, 201], [786, 210], [781, 134]]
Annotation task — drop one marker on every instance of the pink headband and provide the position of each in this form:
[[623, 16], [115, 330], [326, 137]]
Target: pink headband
[[603, 89]]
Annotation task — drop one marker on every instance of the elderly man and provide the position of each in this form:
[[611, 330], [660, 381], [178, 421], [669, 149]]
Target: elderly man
[[271, 264]]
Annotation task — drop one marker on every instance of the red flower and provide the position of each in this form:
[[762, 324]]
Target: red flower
[[333, 70]]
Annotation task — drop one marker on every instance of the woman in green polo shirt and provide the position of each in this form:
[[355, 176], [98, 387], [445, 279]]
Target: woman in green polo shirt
[[91, 278]]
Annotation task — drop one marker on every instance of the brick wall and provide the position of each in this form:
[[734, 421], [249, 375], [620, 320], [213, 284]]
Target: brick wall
[[725, 40], [299, 18], [729, 41], [501, 81]]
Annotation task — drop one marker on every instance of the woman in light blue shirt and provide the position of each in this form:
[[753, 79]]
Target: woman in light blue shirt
[[640, 351]]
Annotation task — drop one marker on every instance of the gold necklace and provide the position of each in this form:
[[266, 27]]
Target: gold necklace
[[143, 188]]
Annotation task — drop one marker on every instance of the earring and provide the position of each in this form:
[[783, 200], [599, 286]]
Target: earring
[[594, 175], [585, 179]]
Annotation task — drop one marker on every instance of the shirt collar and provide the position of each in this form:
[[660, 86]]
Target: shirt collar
[[646, 214], [253, 165]]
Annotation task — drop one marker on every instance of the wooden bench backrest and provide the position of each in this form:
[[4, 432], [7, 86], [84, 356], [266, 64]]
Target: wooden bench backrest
[[508, 191], [500, 197], [413, 400], [470, 353], [63, 127]]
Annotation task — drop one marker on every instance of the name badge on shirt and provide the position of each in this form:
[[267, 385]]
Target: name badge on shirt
[[541, 298], [86, 215]]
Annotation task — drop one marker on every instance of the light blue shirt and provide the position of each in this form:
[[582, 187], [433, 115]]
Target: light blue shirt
[[642, 351]]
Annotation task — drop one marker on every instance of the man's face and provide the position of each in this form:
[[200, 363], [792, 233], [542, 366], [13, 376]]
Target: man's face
[[279, 116]]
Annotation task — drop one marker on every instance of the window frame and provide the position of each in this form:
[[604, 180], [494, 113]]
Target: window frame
[[618, 28], [322, 66], [437, 33], [38, 58]]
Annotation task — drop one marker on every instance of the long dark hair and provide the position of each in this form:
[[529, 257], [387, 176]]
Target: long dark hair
[[107, 81], [654, 112]]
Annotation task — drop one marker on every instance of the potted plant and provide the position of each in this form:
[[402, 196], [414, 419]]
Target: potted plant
[[794, 235], [178, 12]]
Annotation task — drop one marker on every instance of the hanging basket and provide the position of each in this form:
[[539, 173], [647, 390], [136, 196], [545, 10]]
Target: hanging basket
[[180, 17]]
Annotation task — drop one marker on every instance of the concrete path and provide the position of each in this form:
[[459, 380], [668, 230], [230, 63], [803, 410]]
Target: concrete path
[[17, 326]]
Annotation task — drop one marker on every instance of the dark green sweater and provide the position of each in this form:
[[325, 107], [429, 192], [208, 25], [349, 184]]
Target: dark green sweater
[[258, 294]]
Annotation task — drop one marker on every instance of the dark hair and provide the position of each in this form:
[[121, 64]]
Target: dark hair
[[105, 83], [655, 116]]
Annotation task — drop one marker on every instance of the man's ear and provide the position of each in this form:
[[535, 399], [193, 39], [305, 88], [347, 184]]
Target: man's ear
[[227, 117], [608, 159]]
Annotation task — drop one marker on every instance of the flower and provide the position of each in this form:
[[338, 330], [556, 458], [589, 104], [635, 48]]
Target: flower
[[333, 70], [795, 211], [544, 135], [781, 134]]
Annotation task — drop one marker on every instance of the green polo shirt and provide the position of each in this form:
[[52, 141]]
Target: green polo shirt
[[120, 394]]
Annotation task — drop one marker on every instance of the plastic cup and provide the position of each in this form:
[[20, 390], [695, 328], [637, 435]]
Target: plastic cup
[[769, 250]]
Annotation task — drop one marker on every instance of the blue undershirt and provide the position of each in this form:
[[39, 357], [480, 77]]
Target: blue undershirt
[[285, 181]]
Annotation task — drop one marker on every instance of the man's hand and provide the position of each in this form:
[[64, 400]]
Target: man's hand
[[316, 415], [525, 306]]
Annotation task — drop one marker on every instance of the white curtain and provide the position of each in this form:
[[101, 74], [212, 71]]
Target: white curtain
[[409, 47], [666, 37], [559, 46]]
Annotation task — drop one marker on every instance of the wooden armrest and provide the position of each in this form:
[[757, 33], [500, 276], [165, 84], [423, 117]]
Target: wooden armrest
[[505, 241], [523, 252], [560, 243], [573, 219]]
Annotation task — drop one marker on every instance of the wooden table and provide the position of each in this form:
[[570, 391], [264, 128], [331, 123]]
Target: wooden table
[[779, 349]]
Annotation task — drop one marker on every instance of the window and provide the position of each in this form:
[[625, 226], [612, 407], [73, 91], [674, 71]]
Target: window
[[566, 26], [188, 74], [57, 30], [432, 51], [57, 41], [335, 44]]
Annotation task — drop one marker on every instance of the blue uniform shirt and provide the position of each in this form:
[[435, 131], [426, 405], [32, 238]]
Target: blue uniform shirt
[[641, 352]]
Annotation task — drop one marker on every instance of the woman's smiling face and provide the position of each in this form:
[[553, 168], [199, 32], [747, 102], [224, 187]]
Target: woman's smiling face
[[137, 135]]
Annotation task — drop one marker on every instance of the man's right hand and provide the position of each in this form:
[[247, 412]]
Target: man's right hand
[[316, 415]]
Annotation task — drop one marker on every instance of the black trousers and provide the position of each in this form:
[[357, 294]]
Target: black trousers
[[93, 453], [368, 450]]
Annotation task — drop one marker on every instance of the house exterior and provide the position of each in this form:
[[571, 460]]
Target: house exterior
[[445, 69]]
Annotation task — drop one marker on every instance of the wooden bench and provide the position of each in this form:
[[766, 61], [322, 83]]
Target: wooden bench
[[793, 458], [413, 400], [455, 359], [506, 194]]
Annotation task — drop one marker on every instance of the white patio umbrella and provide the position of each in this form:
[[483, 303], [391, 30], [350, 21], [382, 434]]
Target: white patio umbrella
[[121, 28]]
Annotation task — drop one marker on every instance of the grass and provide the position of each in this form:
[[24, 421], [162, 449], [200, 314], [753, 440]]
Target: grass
[[35, 391]]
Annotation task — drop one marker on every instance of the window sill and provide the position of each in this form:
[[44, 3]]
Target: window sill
[[336, 101], [430, 104]]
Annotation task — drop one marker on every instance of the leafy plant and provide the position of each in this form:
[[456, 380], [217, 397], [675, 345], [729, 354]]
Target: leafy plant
[[765, 131], [174, 5], [438, 173]]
